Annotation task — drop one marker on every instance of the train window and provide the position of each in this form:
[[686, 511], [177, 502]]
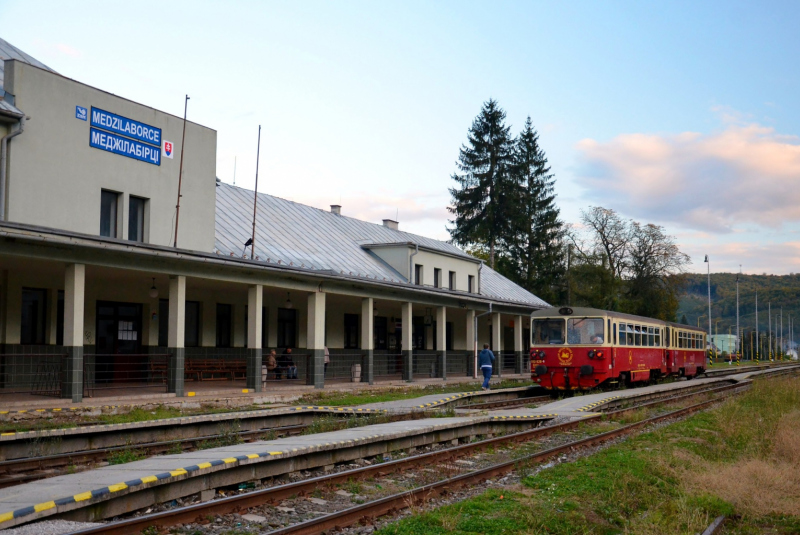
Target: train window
[[614, 330], [637, 332], [548, 331], [658, 337], [629, 334], [651, 337], [585, 331], [622, 337]]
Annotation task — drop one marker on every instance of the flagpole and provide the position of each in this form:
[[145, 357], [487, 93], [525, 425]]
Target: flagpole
[[255, 197], [180, 172]]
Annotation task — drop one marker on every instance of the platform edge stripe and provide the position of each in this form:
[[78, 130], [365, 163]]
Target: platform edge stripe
[[44, 506], [99, 492], [25, 511], [65, 501], [116, 487], [5, 517], [134, 482], [82, 496]]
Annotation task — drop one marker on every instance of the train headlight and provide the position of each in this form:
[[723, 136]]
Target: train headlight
[[541, 354], [599, 354], [591, 354]]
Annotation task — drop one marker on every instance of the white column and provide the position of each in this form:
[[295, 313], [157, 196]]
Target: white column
[[406, 311], [255, 302], [74, 295], [176, 333], [470, 345], [368, 338], [441, 342], [497, 343], [518, 346], [315, 340]]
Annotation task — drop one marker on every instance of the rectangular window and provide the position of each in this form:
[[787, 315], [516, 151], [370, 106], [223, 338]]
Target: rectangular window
[[33, 318], [585, 330], [60, 319], [448, 336], [381, 332], [651, 336], [452, 280], [658, 337], [637, 335], [629, 335], [224, 325], [192, 325], [351, 331], [108, 213], [418, 274], [136, 207], [287, 327], [548, 331], [471, 284], [622, 337], [163, 322], [418, 332], [437, 278]]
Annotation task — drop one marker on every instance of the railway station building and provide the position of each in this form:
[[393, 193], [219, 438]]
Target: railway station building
[[100, 296]]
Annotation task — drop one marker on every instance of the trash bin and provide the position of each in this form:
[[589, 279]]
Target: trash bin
[[355, 373]]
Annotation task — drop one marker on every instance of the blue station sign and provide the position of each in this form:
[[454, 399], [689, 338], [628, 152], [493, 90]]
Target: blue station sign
[[124, 146], [126, 127]]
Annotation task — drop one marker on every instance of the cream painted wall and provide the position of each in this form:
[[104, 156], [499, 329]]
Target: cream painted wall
[[55, 177], [397, 257], [462, 268]]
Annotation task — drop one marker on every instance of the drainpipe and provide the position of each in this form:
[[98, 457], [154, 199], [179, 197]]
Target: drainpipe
[[3, 154], [475, 348], [411, 264], [480, 267]]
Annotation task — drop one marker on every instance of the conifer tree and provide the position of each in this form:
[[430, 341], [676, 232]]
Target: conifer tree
[[537, 247], [483, 198]]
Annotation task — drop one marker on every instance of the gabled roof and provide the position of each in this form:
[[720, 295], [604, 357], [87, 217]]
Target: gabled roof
[[9, 51], [304, 236]]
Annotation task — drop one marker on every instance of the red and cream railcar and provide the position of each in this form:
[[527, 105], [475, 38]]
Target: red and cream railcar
[[580, 348]]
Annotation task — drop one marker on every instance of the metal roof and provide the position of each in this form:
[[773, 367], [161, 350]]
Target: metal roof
[[295, 234], [9, 51]]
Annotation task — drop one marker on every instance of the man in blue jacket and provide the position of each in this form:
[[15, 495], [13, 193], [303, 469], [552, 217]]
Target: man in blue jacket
[[485, 361]]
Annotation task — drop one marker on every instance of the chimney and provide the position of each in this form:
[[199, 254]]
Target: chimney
[[391, 223], [336, 209]]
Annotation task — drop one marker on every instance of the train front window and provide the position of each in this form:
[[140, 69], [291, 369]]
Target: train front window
[[548, 331], [585, 331]]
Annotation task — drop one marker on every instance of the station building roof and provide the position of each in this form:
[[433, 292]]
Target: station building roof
[[304, 236]]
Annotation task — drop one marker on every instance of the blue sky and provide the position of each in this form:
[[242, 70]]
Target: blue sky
[[683, 114]]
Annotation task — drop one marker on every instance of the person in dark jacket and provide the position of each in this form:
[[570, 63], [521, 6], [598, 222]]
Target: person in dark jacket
[[286, 364], [485, 362]]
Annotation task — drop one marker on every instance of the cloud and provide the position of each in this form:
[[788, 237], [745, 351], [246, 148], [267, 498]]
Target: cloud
[[743, 174], [754, 257]]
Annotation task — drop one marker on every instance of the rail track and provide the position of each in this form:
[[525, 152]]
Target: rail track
[[367, 512]]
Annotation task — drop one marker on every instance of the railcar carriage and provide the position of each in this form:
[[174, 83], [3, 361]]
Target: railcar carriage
[[581, 348]]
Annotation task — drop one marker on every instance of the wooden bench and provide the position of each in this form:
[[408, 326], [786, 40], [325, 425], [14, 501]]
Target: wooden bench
[[214, 369]]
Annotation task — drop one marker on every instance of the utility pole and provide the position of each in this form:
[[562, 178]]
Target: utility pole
[[757, 339], [738, 340], [709, 295], [255, 197], [769, 329]]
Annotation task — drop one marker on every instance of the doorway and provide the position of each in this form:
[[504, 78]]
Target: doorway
[[119, 342]]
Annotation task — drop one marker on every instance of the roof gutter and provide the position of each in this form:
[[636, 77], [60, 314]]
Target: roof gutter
[[3, 155]]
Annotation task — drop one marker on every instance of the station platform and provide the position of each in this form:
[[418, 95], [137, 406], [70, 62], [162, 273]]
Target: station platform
[[208, 394], [118, 489]]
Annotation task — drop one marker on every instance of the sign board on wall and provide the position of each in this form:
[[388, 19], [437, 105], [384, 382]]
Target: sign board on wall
[[123, 136]]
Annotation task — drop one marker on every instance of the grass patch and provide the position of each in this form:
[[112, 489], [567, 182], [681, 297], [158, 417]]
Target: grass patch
[[228, 436], [332, 422], [342, 398], [741, 459], [128, 454]]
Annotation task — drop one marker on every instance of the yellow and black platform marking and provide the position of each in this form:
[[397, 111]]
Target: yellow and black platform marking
[[60, 409], [525, 416], [445, 400], [339, 409], [591, 406]]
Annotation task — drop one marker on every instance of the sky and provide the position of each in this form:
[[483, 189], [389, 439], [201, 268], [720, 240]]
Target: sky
[[679, 113]]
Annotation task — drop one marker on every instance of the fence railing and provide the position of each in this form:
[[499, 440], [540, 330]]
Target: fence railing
[[105, 372], [31, 374], [387, 365], [293, 368], [347, 367], [508, 361], [459, 363], [426, 364]]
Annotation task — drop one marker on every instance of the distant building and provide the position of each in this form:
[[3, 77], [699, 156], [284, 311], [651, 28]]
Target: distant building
[[724, 342]]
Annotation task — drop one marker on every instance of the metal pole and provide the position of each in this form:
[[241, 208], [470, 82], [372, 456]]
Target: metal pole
[[709, 295], [757, 338], [738, 333], [255, 197], [769, 329], [180, 171]]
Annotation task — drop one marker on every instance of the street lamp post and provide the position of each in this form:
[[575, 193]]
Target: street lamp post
[[709, 295]]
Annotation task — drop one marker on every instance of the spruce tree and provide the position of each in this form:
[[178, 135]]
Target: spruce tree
[[483, 198], [537, 247]]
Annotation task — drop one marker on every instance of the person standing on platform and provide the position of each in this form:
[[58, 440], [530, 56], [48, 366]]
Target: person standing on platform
[[486, 362]]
